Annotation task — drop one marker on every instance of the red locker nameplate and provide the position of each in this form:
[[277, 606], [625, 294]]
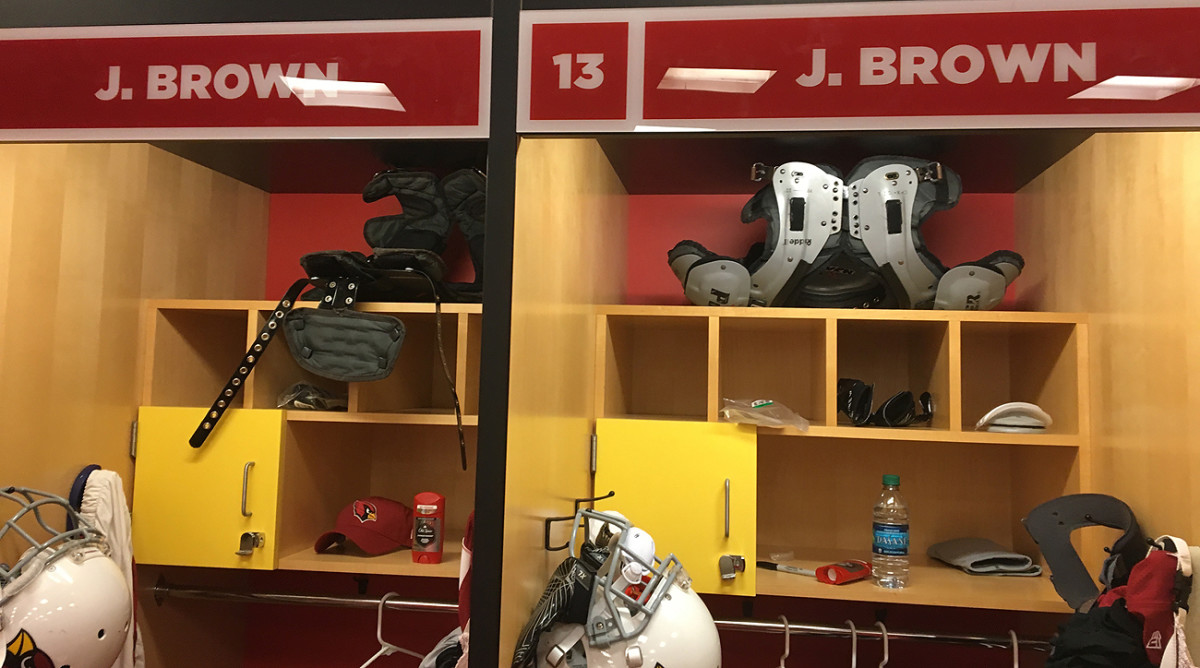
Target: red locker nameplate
[[849, 66], [361, 79]]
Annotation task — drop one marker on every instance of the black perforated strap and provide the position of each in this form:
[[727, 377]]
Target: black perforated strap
[[253, 355]]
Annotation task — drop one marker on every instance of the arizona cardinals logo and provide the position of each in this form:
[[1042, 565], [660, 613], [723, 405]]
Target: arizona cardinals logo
[[365, 511], [23, 653]]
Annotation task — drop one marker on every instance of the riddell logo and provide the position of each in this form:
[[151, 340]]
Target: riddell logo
[[365, 511], [1155, 641]]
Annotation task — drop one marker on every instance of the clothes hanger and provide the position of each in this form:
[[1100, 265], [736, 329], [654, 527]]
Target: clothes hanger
[[883, 629], [385, 647], [1015, 645], [787, 642], [853, 644]]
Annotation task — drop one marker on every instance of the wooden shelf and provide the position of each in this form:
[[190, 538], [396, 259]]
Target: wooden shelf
[[394, 563], [907, 434], [930, 583], [660, 310], [412, 417], [267, 305], [920, 434], [682, 362]]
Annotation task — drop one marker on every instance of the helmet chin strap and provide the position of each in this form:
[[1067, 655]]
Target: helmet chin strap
[[562, 639]]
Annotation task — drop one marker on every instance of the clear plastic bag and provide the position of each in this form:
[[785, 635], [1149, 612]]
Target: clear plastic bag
[[762, 412]]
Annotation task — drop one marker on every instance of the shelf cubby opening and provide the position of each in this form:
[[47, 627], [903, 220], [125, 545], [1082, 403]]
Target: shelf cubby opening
[[329, 465], [1006, 483], [194, 353], [1032, 362], [782, 360], [898, 355], [655, 366], [1038, 475], [418, 382], [468, 372], [800, 482], [277, 371]]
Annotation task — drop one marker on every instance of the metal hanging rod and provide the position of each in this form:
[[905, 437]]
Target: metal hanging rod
[[998, 642], [163, 590]]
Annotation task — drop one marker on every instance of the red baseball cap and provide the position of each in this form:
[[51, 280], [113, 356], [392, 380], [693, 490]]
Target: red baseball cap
[[376, 525]]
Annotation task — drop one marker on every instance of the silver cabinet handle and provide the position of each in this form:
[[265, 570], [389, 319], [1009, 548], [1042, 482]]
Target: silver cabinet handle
[[727, 507], [245, 486]]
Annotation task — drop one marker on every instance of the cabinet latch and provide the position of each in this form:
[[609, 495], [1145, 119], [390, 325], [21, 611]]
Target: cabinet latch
[[249, 541], [731, 565]]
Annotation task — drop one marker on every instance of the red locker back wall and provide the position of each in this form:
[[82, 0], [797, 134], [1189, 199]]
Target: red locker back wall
[[980, 224], [299, 224], [304, 223]]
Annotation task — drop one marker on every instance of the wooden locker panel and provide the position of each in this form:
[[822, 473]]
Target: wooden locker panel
[[670, 479], [187, 505]]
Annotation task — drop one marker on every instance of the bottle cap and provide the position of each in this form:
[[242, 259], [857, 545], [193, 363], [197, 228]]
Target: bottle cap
[[889, 479]]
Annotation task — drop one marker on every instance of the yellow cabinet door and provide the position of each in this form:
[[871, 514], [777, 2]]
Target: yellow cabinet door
[[188, 507], [676, 480]]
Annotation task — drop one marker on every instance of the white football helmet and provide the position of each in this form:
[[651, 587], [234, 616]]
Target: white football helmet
[[65, 602], [643, 612]]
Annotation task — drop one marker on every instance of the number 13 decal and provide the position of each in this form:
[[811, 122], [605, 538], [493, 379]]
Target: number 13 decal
[[591, 76]]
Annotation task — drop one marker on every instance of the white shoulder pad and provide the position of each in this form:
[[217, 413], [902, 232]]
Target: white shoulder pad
[[809, 201]]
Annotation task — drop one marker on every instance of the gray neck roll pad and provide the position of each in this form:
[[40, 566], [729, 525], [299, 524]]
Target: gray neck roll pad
[[1051, 525]]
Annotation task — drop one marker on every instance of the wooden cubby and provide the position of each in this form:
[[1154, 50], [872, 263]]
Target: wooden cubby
[[277, 370], [397, 438], [960, 482], [782, 359], [654, 366], [1036, 362], [896, 356], [328, 465], [815, 487], [188, 343], [784, 355]]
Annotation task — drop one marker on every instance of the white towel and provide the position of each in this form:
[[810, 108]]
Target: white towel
[[104, 506]]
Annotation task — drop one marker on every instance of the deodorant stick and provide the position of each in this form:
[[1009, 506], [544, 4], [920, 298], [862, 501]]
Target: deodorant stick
[[429, 522]]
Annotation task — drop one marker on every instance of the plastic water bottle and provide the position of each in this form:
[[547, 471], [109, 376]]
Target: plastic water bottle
[[889, 551]]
